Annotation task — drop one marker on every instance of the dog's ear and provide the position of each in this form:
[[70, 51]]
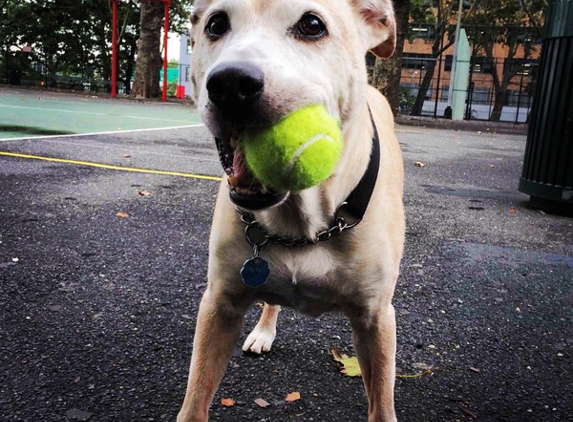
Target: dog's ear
[[380, 24]]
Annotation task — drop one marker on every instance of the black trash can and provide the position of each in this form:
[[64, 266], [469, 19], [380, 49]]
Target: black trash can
[[547, 174]]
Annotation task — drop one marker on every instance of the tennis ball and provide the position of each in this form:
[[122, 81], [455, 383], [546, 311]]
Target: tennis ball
[[298, 152]]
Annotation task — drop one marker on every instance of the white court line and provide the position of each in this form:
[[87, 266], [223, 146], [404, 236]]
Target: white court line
[[59, 110], [100, 133]]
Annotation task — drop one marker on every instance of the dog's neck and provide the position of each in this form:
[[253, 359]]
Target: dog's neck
[[312, 210]]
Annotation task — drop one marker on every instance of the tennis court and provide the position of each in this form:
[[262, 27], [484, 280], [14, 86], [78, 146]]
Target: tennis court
[[107, 133], [27, 113]]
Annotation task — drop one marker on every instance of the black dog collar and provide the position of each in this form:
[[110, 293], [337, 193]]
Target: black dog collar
[[255, 270]]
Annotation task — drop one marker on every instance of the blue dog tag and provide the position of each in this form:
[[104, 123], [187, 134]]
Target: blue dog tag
[[255, 272]]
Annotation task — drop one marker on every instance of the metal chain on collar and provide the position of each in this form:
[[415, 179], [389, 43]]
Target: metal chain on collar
[[255, 231]]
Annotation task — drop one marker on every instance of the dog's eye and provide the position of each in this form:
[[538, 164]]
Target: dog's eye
[[217, 26], [310, 26]]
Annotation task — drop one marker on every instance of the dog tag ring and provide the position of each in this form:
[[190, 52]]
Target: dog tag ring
[[255, 270]]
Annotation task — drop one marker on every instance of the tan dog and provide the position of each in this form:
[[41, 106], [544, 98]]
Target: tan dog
[[254, 61]]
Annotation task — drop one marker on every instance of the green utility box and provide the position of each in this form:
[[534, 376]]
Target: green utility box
[[547, 174]]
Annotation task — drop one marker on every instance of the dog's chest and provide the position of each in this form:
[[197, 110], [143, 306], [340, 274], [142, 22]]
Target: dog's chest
[[303, 281]]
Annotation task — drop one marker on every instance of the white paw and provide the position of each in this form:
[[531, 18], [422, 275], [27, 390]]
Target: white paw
[[260, 340]]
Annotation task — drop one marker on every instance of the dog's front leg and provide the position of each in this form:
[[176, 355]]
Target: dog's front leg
[[218, 328], [374, 337]]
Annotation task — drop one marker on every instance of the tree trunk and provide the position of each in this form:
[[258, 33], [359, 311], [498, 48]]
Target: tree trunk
[[387, 73], [423, 89], [146, 83], [501, 89], [129, 66]]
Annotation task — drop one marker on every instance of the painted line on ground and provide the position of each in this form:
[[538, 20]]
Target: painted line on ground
[[109, 167], [125, 149], [94, 113], [110, 132]]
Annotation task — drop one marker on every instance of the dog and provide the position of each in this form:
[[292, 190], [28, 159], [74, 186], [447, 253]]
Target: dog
[[325, 248]]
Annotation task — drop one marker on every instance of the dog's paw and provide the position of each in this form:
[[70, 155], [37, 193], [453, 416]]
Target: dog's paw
[[260, 340]]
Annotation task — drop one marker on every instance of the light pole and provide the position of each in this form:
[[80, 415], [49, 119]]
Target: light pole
[[455, 56]]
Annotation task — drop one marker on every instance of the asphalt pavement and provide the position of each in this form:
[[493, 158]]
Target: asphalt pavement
[[102, 270]]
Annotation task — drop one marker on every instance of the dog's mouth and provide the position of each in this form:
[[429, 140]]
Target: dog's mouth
[[245, 190]]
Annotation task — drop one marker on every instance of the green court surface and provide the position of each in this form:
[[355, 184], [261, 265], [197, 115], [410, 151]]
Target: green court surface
[[30, 113]]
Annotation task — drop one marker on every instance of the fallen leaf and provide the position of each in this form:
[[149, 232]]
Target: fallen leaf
[[126, 155], [349, 365], [229, 402], [262, 403], [421, 374], [144, 193], [122, 214], [468, 412], [294, 396], [419, 164]]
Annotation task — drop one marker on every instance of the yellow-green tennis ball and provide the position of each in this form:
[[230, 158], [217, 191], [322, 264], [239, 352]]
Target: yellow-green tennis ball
[[298, 152]]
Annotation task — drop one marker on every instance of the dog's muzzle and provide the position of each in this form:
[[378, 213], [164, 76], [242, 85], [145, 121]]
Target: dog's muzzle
[[234, 90]]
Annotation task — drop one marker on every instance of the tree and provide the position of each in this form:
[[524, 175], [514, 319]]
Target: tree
[[73, 37], [149, 61], [146, 83], [444, 14], [516, 27], [67, 37], [387, 72]]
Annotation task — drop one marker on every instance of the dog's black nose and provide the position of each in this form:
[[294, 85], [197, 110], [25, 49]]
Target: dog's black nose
[[235, 84]]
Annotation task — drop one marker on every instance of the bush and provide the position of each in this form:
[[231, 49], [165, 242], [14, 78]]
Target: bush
[[171, 89]]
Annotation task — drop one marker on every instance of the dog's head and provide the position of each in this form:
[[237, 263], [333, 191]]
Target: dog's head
[[255, 61]]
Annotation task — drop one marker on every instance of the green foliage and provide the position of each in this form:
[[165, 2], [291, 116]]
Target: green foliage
[[421, 11], [406, 100], [171, 89], [73, 37], [514, 23]]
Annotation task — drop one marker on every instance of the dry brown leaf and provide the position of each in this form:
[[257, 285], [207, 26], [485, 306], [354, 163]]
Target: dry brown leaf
[[144, 193], [262, 403], [421, 374], [468, 412], [126, 155], [228, 402], [122, 214], [294, 396]]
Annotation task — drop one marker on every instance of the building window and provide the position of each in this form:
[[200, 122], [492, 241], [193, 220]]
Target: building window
[[416, 60], [423, 30]]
